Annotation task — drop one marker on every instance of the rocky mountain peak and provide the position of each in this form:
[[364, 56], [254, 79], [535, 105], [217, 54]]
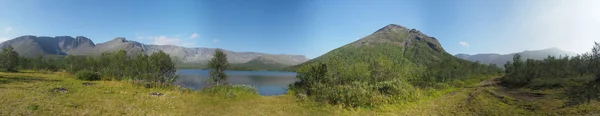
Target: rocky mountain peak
[[400, 36], [392, 28], [119, 39]]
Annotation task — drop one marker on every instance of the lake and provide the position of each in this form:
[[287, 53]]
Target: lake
[[266, 82]]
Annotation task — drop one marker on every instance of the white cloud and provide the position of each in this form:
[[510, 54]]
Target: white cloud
[[164, 40], [8, 29], [168, 40], [464, 44], [215, 41], [2, 39], [188, 44], [194, 35]]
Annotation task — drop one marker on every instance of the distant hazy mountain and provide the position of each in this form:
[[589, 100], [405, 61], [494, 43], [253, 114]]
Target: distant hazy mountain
[[263, 63], [500, 60], [32, 46]]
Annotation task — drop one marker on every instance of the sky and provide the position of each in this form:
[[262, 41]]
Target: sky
[[311, 27]]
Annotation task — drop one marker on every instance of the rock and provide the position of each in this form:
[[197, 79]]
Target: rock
[[156, 94], [89, 84], [59, 89]]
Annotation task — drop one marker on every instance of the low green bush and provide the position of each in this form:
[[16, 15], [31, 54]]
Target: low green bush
[[323, 83], [232, 91], [87, 75]]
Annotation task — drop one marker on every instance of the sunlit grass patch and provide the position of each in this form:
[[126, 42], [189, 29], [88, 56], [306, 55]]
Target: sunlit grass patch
[[32, 93]]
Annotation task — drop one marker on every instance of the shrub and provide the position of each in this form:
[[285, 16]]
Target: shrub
[[229, 91], [87, 75], [397, 91], [331, 84], [382, 79]]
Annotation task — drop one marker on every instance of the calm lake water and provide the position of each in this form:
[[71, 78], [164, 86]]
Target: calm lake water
[[266, 82]]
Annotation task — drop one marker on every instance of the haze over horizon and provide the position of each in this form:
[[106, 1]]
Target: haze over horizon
[[311, 28]]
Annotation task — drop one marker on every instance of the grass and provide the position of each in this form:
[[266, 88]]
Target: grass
[[33, 93]]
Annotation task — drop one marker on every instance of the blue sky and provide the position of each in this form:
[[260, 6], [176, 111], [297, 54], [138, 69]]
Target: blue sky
[[311, 27]]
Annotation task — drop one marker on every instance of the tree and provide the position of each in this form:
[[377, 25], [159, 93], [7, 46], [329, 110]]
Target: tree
[[382, 69], [9, 59], [142, 65], [218, 64], [163, 65], [595, 59]]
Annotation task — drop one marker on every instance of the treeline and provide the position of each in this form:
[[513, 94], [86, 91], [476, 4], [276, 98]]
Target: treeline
[[233, 66], [552, 72], [382, 79], [580, 74], [154, 70], [454, 71]]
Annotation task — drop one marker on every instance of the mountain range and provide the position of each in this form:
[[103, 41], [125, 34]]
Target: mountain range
[[33, 46], [501, 59], [394, 41]]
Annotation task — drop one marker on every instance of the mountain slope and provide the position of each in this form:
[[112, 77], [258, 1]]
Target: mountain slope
[[500, 60], [32, 46], [392, 65], [406, 47], [262, 63]]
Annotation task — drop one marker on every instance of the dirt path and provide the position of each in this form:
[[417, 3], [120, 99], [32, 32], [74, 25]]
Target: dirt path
[[499, 89]]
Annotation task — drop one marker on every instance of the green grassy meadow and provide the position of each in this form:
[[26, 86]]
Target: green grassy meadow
[[35, 93]]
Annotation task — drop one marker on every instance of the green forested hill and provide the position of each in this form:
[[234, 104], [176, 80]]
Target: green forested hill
[[394, 64], [258, 63], [403, 46], [262, 63]]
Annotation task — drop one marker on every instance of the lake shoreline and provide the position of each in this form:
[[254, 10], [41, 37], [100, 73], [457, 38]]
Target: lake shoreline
[[267, 83]]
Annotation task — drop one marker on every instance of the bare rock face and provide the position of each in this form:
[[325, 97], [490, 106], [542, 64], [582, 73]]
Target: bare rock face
[[33, 46]]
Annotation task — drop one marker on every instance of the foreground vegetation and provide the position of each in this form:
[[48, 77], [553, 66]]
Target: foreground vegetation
[[36, 93], [370, 76], [345, 84], [578, 75], [156, 70]]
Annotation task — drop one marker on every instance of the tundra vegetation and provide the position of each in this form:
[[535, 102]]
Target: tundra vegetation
[[350, 83], [576, 75]]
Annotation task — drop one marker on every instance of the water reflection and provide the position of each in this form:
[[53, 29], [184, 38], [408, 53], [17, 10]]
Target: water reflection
[[266, 82]]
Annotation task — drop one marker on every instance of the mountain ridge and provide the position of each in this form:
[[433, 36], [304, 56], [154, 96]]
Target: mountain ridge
[[501, 59], [32, 46]]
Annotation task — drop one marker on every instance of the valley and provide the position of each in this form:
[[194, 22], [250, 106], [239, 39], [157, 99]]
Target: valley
[[393, 71], [299, 58], [121, 98]]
